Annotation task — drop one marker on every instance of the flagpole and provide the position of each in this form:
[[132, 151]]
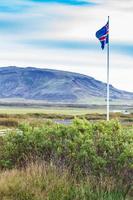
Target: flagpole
[[108, 106]]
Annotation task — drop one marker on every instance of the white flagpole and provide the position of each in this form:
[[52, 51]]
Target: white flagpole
[[108, 108]]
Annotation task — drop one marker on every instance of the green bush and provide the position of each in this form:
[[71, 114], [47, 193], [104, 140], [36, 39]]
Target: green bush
[[102, 149]]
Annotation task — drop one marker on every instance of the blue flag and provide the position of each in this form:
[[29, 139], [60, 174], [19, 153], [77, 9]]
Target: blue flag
[[103, 35]]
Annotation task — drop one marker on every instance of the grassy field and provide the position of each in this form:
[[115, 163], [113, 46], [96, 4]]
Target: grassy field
[[63, 110], [50, 110], [92, 105], [12, 117]]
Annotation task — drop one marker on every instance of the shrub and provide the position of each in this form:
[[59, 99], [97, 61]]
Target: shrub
[[102, 149]]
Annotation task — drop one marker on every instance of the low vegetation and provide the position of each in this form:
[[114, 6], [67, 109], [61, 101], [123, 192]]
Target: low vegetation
[[40, 181], [13, 120], [81, 161]]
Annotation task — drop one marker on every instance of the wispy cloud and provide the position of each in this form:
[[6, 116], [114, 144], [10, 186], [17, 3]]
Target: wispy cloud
[[121, 48], [120, 4]]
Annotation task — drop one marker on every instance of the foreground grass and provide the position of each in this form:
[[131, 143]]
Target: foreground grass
[[45, 182]]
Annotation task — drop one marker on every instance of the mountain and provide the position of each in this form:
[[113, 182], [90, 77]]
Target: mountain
[[53, 85]]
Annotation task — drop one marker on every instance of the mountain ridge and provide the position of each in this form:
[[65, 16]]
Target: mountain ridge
[[53, 85]]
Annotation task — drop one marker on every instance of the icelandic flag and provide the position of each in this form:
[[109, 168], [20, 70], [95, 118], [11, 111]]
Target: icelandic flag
[[103, 35]]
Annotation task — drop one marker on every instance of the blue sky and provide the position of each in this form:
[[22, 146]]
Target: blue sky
[[67, 2], [60, 34]]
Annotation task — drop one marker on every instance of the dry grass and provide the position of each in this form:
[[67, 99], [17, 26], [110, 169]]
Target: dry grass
[[13, 120], [36, 182], [45, 182]]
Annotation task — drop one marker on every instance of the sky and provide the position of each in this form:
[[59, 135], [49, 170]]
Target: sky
[[60, 34]]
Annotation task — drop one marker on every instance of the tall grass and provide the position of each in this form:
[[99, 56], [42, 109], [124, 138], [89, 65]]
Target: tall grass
[[44, 182]]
